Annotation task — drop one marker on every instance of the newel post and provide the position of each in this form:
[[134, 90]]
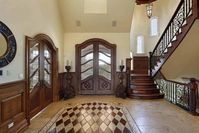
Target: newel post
[[195, 4], [193, 96], [128, 72], [150, 63]]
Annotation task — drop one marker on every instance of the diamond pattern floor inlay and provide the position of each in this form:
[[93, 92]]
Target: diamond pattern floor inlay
[[91, 118]]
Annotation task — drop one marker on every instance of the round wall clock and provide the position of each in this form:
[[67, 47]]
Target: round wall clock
[[8, 45]]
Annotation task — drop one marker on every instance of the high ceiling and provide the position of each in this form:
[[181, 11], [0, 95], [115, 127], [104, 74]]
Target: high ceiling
[[116, 15]]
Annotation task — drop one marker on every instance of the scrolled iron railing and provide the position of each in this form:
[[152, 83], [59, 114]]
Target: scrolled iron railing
[[173, 29], [185, 95], [175, 92]]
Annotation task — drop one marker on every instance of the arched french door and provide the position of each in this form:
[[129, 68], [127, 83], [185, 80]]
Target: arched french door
[[41, 72], [96, 59]]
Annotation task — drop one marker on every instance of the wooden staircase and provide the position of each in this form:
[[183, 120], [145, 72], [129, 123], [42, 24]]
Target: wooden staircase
[[180, 24], [142, 85], [140, 82]]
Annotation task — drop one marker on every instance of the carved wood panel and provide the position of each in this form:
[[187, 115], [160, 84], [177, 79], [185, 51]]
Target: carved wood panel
[[13, 107], [95, 59]]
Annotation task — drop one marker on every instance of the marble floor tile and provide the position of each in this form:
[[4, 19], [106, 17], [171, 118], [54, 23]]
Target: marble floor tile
[[150, 116]]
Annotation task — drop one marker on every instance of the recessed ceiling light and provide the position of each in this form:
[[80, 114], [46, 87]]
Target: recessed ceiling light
[[78, 23]]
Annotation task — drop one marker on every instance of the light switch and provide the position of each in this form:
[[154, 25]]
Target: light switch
[[8, 73]]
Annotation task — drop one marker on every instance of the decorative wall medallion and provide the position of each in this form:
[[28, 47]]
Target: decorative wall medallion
[[8, 45]]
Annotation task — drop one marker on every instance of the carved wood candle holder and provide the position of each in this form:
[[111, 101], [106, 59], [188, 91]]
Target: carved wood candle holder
[[69, 91], [121, 89]]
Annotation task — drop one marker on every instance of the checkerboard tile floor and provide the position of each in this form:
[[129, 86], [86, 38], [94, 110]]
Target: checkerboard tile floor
[[91, 118]]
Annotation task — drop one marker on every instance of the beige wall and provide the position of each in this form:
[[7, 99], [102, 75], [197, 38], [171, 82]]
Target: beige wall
[[163, 9], [122, 40], [184, 62], [30, 17]]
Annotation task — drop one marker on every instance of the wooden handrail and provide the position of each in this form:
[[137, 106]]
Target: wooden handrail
[[191, 89], [174, 15], [197, 80], [176, 30], [176, 82]]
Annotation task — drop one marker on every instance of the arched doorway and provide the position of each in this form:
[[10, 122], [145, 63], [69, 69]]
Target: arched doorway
[[96, 66], [41, 72]]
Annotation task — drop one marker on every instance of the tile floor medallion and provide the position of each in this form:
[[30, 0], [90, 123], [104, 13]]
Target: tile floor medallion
[[90, 118]]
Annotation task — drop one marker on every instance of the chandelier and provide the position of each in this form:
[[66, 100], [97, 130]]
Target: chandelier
[[149, 6]]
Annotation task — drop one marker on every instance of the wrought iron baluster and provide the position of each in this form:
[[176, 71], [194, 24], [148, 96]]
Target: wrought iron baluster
[[185, 8], [170, 87], [169, 34], [167, 90], [173, 88], [174, 94]]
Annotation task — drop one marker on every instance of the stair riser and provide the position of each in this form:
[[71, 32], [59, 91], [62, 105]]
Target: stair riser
[[148, 79], [140, 71], [141, 78], [142, 81], [143, 86], [155, 91], [146, 97]]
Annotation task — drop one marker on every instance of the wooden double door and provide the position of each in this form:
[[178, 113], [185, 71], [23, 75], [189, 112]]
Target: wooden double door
[[40, 55], [95, 59]]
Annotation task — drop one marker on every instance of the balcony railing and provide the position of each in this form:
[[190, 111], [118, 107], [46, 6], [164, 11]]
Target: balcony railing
[[184, 95]]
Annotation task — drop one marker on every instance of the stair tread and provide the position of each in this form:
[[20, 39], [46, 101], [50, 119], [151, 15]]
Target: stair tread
[[154, 94], [150, 96], [140, 75], [142, 83], [145, 89]]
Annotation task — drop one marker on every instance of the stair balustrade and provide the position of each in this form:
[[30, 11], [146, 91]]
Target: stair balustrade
[[184, 95], [179, 25]]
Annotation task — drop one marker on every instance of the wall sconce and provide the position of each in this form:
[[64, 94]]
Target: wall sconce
[[149, 8]]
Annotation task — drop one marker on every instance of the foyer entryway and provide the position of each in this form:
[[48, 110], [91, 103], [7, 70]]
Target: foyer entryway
[[95, 59]]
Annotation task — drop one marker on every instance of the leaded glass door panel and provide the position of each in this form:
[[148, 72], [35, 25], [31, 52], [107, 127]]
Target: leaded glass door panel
[[95, 67], [40, 76]]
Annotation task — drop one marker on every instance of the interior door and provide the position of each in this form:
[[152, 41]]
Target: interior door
[[40, 77], [96, 67]]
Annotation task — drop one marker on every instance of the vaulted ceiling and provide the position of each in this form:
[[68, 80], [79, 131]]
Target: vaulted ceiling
[[99, 16]]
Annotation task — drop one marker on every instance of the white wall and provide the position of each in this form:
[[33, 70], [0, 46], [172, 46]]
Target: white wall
[[163, 9], [122, 40], [30, 17]]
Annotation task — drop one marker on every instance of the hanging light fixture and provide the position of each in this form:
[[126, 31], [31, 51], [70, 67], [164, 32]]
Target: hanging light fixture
[[149, 8]]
